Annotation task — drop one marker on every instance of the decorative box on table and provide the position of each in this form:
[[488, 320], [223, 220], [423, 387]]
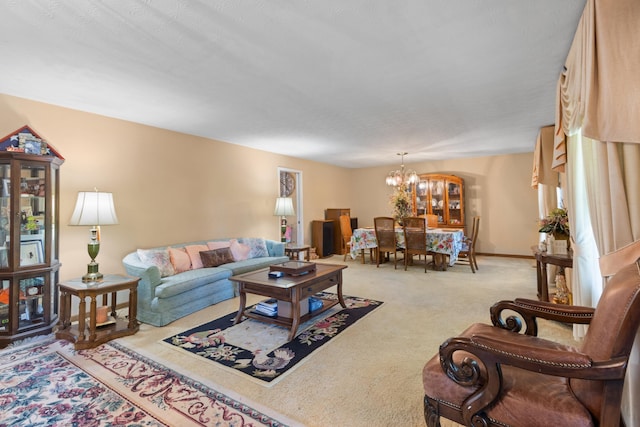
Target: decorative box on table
[[294, 268]]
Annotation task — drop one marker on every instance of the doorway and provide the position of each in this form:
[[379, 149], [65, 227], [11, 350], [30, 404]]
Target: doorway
[[290, 185]]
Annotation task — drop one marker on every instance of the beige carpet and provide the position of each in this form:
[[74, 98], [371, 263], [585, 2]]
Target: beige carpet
[[371, 374]]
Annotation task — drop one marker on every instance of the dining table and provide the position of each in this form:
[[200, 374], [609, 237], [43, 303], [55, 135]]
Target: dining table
[[443, 242]]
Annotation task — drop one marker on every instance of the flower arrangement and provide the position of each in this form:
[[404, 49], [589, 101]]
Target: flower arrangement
[[401, 202], [557, 222]]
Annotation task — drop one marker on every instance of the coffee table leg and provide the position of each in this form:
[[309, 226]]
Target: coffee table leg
[[295, 313], [243, 304], [340, 297]]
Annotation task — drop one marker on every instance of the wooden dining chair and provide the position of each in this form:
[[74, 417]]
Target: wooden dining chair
[[432, 220], [347, 233], [387, 239], [468, 252], [415, 240]]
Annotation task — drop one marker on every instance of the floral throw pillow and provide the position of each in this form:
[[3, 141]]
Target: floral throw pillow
[[216, 257], [257, 247], [158, 257], [239, 250]]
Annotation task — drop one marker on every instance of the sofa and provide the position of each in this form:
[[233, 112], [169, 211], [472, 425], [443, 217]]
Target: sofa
[[180, 279]]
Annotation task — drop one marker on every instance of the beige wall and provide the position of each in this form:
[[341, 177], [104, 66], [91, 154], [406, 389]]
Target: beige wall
[[497, 188], [170, 187]]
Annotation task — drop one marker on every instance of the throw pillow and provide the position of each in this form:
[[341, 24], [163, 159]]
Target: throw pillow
[[180, 259], [258, 247], [218, 244], [194, 255], [158, 257], [216, 257], [239, 251]]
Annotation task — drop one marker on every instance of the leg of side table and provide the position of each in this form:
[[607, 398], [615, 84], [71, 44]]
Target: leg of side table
[[82, 315], [92, 319], [133, 307], [243, 303]]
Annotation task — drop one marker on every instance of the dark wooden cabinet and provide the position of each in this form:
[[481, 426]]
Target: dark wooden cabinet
[[322, 233], [334, 215], [29, 233]]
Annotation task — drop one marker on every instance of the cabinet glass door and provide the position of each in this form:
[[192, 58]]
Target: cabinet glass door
[[32, 214], [31, 301], [5, 213], [421, 207], [5, 302], [436, 189], [455, 204]]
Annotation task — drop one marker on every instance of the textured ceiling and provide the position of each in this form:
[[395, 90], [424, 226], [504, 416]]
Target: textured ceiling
[[348, 83]]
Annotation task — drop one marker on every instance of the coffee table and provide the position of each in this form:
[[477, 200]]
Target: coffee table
[[291, 289]]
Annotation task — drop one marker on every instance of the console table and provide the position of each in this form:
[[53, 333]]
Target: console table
[[542, 259]]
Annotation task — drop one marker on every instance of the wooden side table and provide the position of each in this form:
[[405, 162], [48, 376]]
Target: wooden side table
[[542, 259], [96, 334], [292, 251]]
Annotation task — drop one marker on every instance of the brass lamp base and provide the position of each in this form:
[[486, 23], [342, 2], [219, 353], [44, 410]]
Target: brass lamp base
[[93, 275]]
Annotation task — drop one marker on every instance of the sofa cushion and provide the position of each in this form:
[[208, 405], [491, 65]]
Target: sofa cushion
[[158, 257], [218, 244], [239, 251], [188, 280], [216, 257], [257, 246], [194, 255], [180, 259]]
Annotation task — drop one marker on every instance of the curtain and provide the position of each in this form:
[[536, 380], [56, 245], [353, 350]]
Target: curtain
[[598, 90], [596, 104]]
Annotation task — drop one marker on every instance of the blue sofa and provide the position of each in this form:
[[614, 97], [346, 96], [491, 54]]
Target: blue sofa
[[162, 300]]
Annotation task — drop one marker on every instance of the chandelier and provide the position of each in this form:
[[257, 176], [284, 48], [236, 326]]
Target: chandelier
[[401, 176]]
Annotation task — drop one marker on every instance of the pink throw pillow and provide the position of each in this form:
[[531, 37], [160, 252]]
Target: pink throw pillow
[[194, 255], [239, 251], [218, 245], [180, 259]]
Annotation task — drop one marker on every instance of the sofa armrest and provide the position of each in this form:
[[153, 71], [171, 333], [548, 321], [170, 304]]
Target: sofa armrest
[[275, 248], [149, 275]]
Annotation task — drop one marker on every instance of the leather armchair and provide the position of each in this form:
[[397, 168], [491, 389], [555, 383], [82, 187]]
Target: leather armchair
[[505, 375]]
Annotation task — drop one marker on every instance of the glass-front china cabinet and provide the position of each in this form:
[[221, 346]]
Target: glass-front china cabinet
[[441, 195], [29, 233]]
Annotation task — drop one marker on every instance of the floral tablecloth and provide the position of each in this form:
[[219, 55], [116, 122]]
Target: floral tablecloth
[[447, 242]]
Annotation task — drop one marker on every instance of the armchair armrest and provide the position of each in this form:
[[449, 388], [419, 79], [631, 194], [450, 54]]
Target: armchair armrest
[[484, 354], [529, 311]]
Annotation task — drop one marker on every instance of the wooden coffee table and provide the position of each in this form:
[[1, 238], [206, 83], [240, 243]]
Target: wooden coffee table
[[291, 289]]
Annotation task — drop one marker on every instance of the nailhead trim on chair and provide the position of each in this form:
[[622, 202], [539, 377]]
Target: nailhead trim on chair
[[531, 359], [557, 312]]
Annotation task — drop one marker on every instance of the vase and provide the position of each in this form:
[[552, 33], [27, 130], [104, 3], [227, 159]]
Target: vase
[[560, 243]]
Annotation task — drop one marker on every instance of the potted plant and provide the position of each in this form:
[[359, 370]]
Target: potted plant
[[556, 224], [401, 202]]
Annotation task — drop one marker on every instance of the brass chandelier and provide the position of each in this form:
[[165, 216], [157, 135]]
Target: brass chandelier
[[401, 176]]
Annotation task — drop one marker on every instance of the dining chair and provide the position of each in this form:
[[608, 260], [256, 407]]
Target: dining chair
[[387, 239], [468, 252], [415, 240], [347, 233], [506, 375], [432, 220]]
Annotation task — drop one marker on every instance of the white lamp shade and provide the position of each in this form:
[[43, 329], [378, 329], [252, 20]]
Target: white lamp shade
[[284, 207], [94, 208]]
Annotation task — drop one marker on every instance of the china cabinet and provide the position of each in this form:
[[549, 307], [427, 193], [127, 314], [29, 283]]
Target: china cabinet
[[441, 195], [29, 234]]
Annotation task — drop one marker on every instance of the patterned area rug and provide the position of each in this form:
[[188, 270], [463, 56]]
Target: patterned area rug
[[262, 351], [47, 383]]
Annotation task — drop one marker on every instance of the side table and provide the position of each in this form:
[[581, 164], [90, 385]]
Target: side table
[[542, 259], [96, 334], [292, 251]]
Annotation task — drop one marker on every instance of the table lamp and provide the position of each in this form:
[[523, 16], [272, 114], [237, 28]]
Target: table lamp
[[284, 207], [95, 209]]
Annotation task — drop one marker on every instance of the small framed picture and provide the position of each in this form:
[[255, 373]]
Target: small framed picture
[[31, 252]]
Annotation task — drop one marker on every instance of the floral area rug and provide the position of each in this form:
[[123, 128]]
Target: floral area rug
[[48, 383], [262, 351]]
